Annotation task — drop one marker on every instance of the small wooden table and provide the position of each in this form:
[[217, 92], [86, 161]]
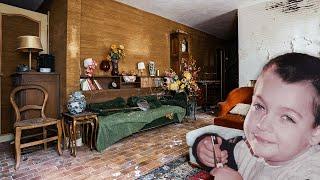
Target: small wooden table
[[71, 121]]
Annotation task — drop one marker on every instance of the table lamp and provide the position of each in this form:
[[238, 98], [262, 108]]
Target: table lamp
[[141, 67], [29, 44]]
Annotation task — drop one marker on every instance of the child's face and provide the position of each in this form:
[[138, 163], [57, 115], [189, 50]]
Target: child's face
[[279, 124]]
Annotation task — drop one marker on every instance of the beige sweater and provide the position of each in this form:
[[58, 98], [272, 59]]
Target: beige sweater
[[306, 166]]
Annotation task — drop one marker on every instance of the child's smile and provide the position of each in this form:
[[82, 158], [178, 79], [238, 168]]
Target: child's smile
[[262, 140]]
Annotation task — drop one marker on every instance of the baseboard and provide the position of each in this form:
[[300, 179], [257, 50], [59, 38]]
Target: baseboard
[[6, 137]]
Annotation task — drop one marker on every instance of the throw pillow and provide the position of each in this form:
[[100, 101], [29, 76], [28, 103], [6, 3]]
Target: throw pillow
[[152, 100], [241, 109]]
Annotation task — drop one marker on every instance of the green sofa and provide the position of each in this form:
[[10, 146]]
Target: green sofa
[[119, 119]]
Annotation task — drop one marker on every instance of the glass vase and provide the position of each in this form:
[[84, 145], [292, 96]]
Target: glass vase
[[115, 70], [191, 108]]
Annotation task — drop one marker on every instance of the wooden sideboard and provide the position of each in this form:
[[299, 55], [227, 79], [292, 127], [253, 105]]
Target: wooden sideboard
[[49, 81]]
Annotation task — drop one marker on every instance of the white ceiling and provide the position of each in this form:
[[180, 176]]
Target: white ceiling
[[216, 17]]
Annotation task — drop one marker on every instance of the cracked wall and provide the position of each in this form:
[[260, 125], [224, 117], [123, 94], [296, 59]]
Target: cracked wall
[[272, 28]]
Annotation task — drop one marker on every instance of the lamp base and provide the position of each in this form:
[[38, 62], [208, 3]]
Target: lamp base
[[140, 73]]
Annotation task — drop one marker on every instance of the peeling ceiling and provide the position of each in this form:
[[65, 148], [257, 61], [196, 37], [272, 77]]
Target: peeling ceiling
[[216, 17]]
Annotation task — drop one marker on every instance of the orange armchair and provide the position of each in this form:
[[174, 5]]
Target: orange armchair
[[238, 95]]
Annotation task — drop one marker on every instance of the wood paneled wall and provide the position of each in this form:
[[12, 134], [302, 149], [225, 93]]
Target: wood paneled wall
[[58, 42], [86, 28], [144, 35], [12, 27]]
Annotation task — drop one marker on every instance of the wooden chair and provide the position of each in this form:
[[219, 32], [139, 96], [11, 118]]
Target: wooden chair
[[26, 124]]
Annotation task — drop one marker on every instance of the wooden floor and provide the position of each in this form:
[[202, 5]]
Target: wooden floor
[[127, 159]]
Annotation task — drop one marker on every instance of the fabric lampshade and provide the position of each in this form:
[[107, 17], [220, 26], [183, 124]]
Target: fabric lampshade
[[141, 66], [29, 43]]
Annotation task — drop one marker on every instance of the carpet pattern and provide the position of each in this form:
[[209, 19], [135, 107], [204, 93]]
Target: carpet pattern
[[175, 170]]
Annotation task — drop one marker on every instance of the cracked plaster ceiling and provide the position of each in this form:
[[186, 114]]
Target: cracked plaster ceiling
[[216, 17]]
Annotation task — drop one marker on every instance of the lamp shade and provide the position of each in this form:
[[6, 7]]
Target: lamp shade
[[29, 43], [141, 66]]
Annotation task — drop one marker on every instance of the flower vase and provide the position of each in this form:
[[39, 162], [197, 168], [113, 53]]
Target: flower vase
[[152, 68], [76, 103], [191, 108], [115, 70]]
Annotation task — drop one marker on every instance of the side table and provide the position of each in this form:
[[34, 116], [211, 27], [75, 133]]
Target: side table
[[70, 123]]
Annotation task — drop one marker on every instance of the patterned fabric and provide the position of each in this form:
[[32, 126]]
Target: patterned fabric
[[177, 169]]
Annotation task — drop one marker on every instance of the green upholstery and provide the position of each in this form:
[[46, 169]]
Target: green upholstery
[[114, 127], [117, 105]]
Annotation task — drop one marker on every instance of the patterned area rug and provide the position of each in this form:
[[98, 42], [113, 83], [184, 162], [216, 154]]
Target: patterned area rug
[[177, 169]]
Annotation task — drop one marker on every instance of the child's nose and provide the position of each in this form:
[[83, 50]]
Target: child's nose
[[265, 123]]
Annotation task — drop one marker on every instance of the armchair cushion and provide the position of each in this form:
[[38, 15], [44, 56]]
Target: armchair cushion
[[241, 109], [230, 120]]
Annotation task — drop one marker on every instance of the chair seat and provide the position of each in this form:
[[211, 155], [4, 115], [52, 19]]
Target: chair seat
[[230, 120], [36, 122]]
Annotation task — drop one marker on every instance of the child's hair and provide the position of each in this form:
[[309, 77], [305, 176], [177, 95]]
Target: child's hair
[[297, 67]]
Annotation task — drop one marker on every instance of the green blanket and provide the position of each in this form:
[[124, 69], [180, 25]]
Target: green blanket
[[114, 127]]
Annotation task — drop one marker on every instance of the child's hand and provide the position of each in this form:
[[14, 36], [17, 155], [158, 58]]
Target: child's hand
[[205, 152], [225, 173]]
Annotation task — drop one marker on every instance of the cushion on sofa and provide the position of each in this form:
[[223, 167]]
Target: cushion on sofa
[[152, 101], [241, 109]]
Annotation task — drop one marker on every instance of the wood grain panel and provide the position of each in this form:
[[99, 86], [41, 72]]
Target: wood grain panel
[[58, 42], [12, 27], [73, 46], [145, 36]]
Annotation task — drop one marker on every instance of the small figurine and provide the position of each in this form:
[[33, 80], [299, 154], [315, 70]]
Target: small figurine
[[90, 66]]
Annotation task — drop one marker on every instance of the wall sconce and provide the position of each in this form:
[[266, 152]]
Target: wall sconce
[[29, 44], [141, 67]]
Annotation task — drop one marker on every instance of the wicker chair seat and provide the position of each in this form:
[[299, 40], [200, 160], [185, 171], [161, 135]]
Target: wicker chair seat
[[36, 122]]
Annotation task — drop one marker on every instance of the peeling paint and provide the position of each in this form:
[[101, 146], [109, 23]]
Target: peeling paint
[[290, 6], [276, 27]]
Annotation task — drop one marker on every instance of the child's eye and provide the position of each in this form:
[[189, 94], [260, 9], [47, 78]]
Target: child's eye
[[258, 106], [288, 118]]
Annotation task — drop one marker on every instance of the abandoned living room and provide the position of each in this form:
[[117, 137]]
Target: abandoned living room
[[122, 89]]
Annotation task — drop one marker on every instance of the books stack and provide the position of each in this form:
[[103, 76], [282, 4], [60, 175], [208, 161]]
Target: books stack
[[89, 84]]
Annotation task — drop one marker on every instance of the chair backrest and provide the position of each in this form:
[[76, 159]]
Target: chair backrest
[[238, 95], [27, 107]]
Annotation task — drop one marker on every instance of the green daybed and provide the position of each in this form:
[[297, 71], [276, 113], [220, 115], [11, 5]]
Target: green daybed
[[116, 125]]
